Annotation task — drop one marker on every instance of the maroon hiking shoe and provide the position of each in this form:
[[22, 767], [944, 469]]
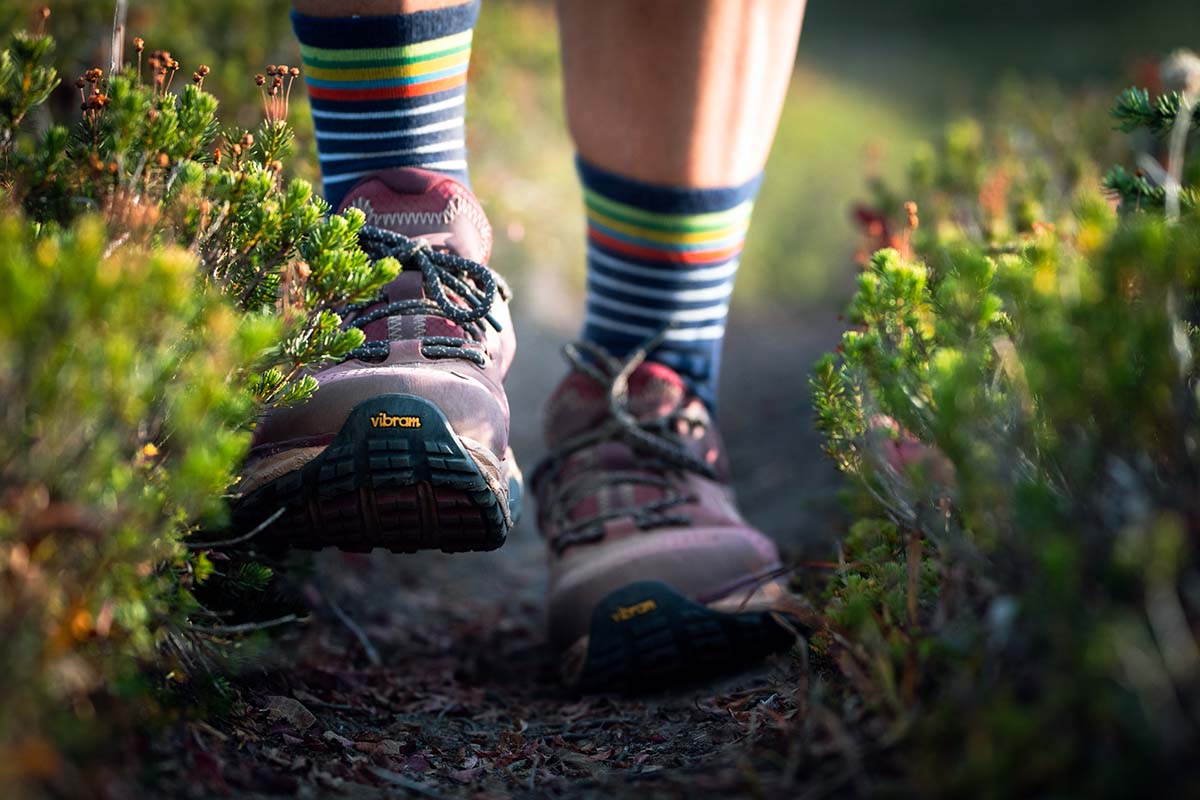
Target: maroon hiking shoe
[[655, 577], [405, 443]]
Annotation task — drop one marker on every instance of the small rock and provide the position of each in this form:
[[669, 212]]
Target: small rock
[[342, 740]]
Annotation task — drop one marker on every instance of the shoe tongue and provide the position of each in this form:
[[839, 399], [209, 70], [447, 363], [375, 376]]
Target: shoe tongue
[[421, 204], [581, 402]]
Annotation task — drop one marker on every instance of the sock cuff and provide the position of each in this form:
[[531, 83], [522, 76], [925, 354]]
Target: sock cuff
[[339, 33], [664, 199]]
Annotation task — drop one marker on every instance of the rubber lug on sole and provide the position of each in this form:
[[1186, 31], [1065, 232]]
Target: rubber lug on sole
[[395, 477], [648, 636]]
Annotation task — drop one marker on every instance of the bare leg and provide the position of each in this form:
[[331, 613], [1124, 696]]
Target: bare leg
[[677, 92]]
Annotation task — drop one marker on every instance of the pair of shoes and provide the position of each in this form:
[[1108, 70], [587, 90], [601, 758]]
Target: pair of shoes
[[654, 575]]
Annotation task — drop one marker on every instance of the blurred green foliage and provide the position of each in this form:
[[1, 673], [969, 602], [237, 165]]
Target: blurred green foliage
[[160, 282], [1017, 403]]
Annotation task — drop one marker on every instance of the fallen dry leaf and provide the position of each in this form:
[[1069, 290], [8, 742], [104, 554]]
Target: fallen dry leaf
[[290, 710]]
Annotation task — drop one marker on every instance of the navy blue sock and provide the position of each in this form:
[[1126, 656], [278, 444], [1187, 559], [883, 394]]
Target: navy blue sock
[[387, 92], [660, 255]]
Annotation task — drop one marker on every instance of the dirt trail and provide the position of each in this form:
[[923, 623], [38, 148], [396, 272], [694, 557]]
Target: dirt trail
[[442, 686]]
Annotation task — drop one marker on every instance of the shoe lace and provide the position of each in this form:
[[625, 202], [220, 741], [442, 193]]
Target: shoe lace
[[654, 439], [474, 285]]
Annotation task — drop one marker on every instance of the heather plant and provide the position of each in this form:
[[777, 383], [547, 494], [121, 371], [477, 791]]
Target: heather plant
[[160, 282], [1017, 404]]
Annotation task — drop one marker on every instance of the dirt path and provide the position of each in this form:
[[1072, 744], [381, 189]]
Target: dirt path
[[442, 686]]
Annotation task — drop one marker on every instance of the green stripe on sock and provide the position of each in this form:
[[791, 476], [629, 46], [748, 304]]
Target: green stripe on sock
[[686, 223], [409, 53]]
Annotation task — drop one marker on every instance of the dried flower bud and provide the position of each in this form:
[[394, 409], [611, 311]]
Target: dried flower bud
[[217, 155], [139, 43], [295, 72], [248, 140], [163, 160], [44, 12], [270, 69], [112, 168], [236, 148], [196, 78], [152, 114], [204, 70], [283, 69], [276, 165], [79, 83], [260, 79]]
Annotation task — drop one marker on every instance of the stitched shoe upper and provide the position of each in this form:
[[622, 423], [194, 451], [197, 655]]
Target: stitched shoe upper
[[441, 330]]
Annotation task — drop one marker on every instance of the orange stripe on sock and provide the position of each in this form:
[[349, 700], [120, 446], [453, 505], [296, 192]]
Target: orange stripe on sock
[[388, 92], [654, 254]]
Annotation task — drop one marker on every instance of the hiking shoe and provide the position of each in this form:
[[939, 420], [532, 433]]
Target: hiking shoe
[[654, 575], [404, 445]]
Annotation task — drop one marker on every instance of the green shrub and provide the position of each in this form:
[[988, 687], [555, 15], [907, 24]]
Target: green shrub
[[159, 283], [1017, 402]]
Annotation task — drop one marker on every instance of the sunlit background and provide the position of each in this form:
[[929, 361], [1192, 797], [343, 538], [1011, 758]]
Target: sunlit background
[[873, 80]]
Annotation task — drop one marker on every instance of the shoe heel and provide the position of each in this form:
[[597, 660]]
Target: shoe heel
[[648, 636]]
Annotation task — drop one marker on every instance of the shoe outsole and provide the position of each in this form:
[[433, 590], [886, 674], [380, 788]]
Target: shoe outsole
[[394, 477], [648, 636]]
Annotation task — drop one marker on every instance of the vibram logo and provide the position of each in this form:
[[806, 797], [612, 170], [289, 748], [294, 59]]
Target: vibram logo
[[626, 613], [386, 420]]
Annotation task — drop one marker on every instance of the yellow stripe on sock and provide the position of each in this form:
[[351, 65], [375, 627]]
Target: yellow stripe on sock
[[380, 73], [670, 222], [735, 228]]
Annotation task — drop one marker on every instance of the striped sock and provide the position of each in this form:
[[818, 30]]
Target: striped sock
[[387, 92], [659, 255]]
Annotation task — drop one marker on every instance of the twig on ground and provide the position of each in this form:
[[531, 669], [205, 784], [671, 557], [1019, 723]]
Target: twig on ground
[[248, 627], [238, 540], [359, 633], [210, 730]]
